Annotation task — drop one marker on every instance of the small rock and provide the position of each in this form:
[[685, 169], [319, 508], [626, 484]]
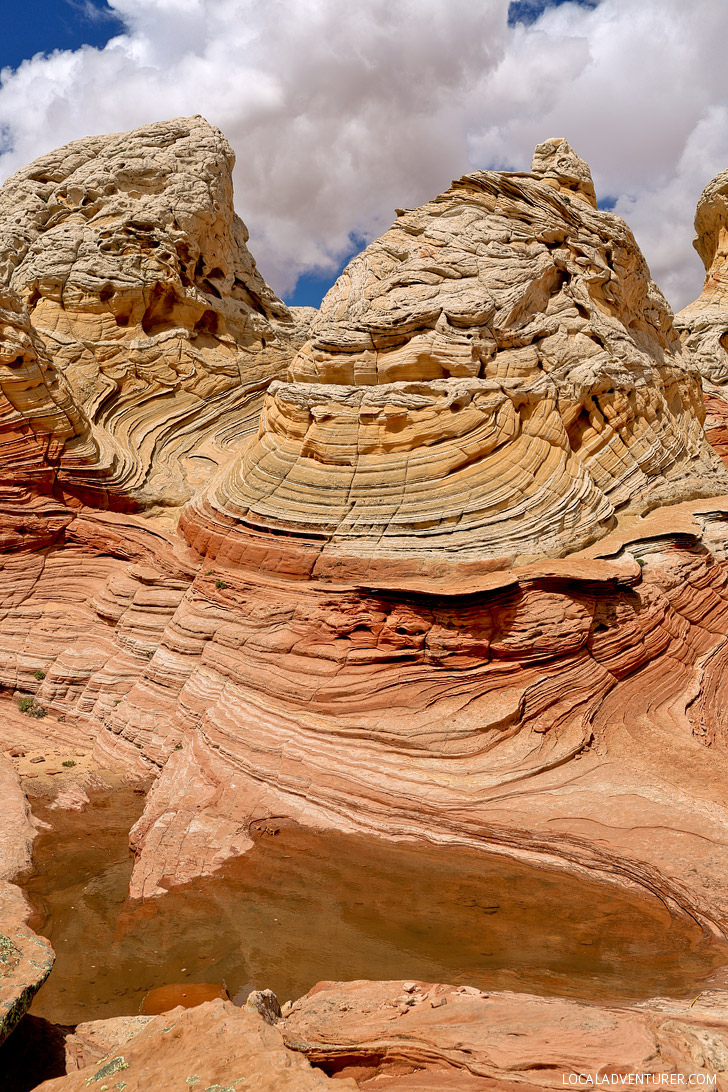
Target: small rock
[[437, 1002], [266, 1004], [38, 759], [409, 987], [471, 991]]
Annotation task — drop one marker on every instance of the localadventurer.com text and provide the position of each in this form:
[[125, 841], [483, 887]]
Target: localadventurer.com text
[[649, 1080]]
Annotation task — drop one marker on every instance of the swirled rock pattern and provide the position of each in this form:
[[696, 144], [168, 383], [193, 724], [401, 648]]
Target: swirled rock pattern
[[135, 270], [442, 1039], [703, 324], [495, 378], [468, 582], [49, 460]]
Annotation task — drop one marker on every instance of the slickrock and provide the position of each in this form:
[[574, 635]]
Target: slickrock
[[388, 671], [25, 959], [214, 1046], [128, 255], [703, 324], [49, 460], [468, 582], [495, 378], [80, 623], [566, 711], [444, 1039]]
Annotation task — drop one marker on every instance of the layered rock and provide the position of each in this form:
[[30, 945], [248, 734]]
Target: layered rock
[[558, 711], [215, 1046], [49, 460], [703, 324], [372, 622], [436, 1037], [25, 959], [496, 378], [135, 270], [411, 1037]]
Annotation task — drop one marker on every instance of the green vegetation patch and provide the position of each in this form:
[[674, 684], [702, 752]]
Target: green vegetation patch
[[108, 1070], [10, 955], [28, 706]]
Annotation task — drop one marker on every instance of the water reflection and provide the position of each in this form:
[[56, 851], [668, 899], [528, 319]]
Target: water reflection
[[302, 907]]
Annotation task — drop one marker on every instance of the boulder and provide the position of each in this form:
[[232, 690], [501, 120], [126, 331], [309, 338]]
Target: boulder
[[214, 1046]]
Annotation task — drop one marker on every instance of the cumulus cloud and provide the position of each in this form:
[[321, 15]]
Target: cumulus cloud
[[340, 112]]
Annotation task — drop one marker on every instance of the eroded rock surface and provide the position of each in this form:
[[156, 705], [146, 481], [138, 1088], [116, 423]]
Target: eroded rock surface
[[495, 378], [704, 323], [214, 1046], [446, 1039], [128, 255], [382, 613], [25, 959]]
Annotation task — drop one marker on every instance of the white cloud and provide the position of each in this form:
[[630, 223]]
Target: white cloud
[[339, 112]]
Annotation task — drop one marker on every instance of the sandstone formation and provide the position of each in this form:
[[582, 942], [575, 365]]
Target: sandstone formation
[[215, 1046], [25, 959], [399, 679], [466, 583], [135, 271], [442, 1039], [704, 323], [49, 460], [495, 379], [412, 1037]]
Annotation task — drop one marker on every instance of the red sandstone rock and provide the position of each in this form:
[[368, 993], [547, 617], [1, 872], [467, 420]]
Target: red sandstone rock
[[446, 1039], [25, 959], [568, 710], [215, 1045]]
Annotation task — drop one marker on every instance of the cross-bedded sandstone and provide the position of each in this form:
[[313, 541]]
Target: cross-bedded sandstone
[[496, 378]]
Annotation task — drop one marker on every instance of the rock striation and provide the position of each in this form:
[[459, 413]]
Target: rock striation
[[496, 378], [385, 668], [468, 580], [703, 324], [408, 1037], [134, 268], [459, 1040]]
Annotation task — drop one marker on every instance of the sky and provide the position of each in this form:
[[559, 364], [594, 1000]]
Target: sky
[[339, 111]]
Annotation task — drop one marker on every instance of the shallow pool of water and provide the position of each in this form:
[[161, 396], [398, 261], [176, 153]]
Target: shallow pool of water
[[301, 907]]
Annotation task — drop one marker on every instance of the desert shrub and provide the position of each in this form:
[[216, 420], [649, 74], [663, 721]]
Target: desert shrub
[[68, 762], [220, 584], [39, 674], [28, 706]]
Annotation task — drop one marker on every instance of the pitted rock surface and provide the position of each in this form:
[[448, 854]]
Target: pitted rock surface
[[346, 631], [497, 378], [134, 267]]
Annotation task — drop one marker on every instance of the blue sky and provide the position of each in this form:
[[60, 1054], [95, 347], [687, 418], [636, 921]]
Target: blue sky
[[528, 11], [70, 24], [40, 26], [339, 112]]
